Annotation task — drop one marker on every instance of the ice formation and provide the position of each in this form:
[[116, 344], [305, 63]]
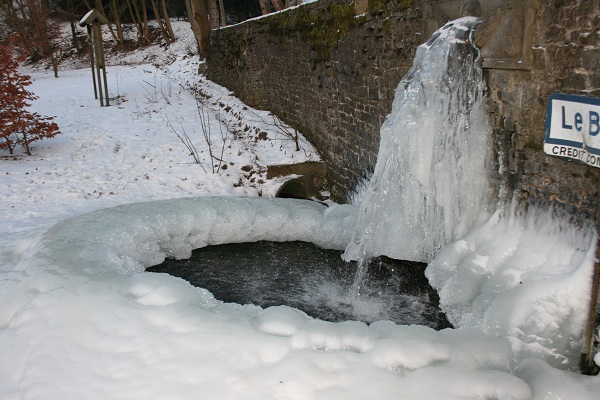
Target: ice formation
[[522, 275], [430, 182], [132, 237]]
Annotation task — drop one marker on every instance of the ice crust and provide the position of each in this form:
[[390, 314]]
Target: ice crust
[[132, 237], [84, 319]]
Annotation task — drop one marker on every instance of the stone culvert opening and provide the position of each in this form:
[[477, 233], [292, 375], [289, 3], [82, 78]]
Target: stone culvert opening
[[293, 189]]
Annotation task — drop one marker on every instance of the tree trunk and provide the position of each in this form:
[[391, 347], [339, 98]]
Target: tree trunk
[[116, 15], [100, 8], [145, 21], [213, 14], [55, 62], [193, 24], [277, 4], [74, 40], [223, 15], [200, 25], [159, 21], [167, 20], [264, 6], [135, 17], [72, 20]]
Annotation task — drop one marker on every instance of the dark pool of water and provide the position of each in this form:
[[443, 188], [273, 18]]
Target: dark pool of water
[[314, 280]]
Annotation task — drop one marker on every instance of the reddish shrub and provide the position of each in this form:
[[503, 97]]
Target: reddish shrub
[[18, 126]]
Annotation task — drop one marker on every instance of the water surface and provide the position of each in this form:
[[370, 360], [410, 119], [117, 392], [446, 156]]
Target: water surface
[[314, 280]]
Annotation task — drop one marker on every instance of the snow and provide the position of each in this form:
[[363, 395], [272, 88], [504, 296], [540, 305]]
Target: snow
[[117, 192], [82, 20], [491, 279]]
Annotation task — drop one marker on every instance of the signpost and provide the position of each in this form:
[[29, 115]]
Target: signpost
[[92, 20], [573, 132]]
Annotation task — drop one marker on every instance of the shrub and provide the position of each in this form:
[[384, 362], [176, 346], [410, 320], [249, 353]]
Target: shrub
[[30, 21], [19, 127]]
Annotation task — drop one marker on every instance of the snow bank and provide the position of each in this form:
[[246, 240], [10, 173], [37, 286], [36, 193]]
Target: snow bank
[[522, 275], [81, 320]]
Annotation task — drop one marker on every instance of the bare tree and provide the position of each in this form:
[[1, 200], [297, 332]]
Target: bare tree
[[100, 9], [216, 13], [145, 20], [223, 15], [200, 25], [30, 20], [167, 19], [159, 21], [163, 18], [134, 13], [72, 20], [115, 14], [140, 19]]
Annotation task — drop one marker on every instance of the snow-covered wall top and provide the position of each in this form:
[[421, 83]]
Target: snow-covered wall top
[[332, 74]]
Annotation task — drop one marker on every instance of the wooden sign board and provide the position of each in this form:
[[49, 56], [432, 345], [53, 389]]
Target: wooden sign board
[[92, 16]]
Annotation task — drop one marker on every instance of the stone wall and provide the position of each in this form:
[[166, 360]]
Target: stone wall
[[332, 75], [326, 72], [564, 56]]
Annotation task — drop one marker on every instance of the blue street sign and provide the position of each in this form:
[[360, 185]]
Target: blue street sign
[[573, 128]]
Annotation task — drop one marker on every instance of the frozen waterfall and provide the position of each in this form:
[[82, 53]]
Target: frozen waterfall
[[431, 180]]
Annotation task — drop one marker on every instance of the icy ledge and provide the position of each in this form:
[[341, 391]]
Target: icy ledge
[[132, 237]]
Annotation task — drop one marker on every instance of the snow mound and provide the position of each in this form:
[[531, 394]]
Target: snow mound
[[522, 275]]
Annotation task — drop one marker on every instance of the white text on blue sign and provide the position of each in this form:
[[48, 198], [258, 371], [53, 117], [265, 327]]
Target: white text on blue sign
[[573, 128]]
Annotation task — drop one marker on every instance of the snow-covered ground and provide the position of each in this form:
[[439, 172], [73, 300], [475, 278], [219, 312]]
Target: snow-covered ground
[[117, 191]]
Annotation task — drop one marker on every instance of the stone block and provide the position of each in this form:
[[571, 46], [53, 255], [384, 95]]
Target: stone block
[[590, 60], [539, 58], [575, 80]]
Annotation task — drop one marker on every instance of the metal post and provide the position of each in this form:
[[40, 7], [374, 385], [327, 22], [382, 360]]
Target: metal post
[[97, 39], [92, 61], [105, 85]]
